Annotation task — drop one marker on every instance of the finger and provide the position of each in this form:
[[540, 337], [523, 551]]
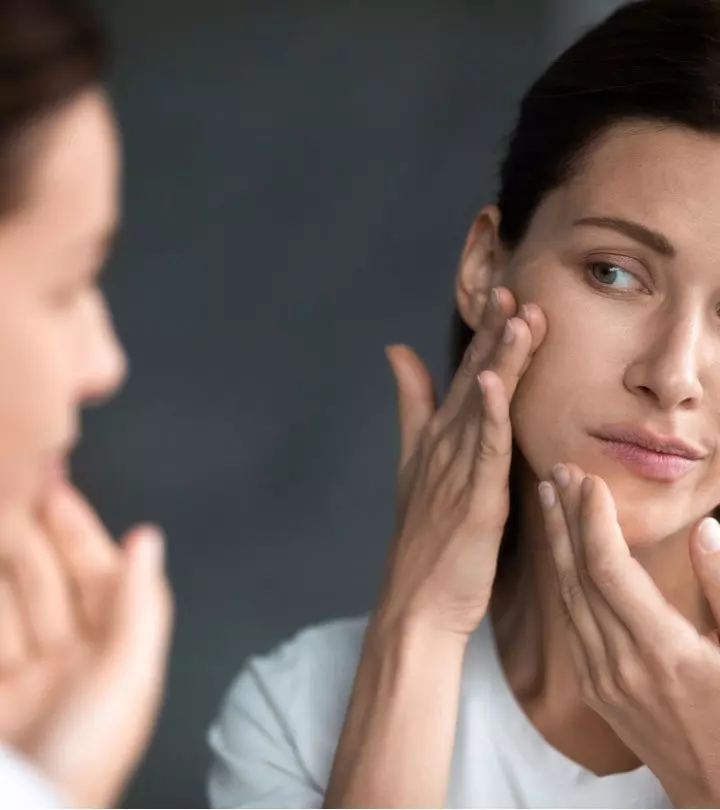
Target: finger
[[705, 556], [42, 592], [14, 641], [501, 305], [513, 353], [489, 436], [592, 527], [141, 624], [143, 607], [509, 362], [493, 447], [572, 593], [122, 691], [625, 585], [90, 556], [569, 479], [416, 397]]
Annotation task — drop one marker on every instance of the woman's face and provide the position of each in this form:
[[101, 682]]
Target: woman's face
[[58, 349], [625, 262]]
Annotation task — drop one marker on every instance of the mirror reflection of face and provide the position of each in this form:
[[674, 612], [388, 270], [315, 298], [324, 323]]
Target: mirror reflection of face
[[58, 349], [625, 261]]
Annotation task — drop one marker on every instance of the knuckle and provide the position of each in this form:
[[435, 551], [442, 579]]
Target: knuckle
[[604, 574], [565, 612], [627, 678], [605, 688], [671, 661], [586, 687], [492, 449], [570, 590], [472, 357], [481, 520], [440, 457]]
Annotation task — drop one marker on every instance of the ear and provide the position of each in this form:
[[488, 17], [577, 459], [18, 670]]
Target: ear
[[481, 265]]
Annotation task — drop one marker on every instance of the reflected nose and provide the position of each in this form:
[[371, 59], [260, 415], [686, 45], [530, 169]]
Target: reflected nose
[[668, 371], [104, 361]]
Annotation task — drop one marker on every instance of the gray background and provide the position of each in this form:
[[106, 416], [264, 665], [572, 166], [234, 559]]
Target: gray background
[[300, 177]]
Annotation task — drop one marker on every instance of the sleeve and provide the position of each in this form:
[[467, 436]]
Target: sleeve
[[255, 758], [22, 786]]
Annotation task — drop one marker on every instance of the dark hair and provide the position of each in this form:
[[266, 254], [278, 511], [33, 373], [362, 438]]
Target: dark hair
[[50, 51], [656, 60]]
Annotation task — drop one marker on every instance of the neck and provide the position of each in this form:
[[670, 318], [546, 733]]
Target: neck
[[532, 636]]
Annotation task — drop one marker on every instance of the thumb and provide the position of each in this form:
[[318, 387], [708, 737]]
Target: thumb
[[416, 397], [705, 556]]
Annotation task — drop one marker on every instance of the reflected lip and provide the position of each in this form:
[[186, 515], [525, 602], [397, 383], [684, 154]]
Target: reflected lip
[[649, 440]]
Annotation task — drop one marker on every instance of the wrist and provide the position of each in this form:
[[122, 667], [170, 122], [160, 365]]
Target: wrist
[[414, 636]]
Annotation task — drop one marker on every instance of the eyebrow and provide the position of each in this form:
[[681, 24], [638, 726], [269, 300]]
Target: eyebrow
[[654, 240]]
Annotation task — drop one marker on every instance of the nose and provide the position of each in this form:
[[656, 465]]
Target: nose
[[104, 364], [667, 372]]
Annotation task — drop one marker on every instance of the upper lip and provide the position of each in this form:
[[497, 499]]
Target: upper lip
[[643, 437]]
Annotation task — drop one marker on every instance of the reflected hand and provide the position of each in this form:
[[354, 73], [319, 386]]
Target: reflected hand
[[84, 633]]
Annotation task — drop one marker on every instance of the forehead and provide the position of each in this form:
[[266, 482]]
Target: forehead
[[667, 177], [72, 185]]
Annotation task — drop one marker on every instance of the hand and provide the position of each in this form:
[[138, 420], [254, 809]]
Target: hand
[[640, 664], [453, 473], [84, 630]]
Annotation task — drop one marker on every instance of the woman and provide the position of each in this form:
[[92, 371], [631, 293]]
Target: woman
[[84, 623], [585, 671]]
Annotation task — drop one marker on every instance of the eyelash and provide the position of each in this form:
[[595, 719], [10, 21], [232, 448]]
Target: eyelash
[[591, 266]]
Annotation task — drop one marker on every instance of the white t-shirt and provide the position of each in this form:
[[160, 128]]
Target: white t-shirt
[[23, 786], [275, 738]]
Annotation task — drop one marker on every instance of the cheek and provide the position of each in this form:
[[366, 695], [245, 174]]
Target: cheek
[[548, 401], [35, 381], [543, 410]]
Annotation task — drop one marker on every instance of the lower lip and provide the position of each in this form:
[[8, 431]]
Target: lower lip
[[57, 470], [647, 463]]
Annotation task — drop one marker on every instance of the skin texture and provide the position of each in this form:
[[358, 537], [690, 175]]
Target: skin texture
[[605, 329], [642, 349], [58, 349], [640, 665], [84, 622]]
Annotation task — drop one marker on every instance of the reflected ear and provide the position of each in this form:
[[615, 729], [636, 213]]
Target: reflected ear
[[480, 267]]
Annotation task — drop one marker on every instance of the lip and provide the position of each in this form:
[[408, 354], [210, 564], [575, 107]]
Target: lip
[[58, 465], [58, 469], [649, 454]]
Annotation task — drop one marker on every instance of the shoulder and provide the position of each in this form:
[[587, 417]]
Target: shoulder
[[319, 661], [283, 714], [334, 643]]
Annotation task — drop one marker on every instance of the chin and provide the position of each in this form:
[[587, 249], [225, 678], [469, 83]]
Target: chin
[[647, 519]]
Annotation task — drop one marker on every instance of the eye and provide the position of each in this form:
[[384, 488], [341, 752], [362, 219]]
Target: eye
[[607, 274]]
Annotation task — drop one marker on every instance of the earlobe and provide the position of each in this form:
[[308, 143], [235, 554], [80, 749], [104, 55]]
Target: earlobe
[[480, 266]]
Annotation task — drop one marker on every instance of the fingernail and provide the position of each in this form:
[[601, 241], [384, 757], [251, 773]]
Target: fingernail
[[561, 474], [710, 535], [547, 495], [509, 333], [153, 546], [495, 298], [587, 486], [525, 313]]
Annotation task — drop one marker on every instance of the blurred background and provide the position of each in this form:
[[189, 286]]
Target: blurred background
[[300, 178]]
